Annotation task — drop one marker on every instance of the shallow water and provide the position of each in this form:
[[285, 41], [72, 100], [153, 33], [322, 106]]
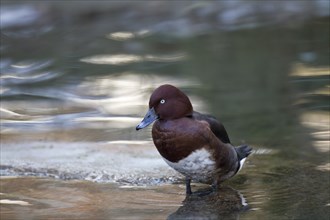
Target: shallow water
[[75, 83]]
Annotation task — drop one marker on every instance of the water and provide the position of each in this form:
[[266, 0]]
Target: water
[[76, 79]]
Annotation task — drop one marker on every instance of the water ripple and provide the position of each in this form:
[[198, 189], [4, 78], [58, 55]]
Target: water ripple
[[124, 59]]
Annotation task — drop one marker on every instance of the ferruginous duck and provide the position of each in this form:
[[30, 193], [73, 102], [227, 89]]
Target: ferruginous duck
[[194, 144]]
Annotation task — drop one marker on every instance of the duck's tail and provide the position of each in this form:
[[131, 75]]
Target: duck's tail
[[242, 153]]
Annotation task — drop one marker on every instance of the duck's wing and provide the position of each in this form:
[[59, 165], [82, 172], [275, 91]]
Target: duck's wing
[[216, 127]]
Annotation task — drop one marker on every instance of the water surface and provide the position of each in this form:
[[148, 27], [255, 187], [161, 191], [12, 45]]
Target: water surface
[[75, 83]]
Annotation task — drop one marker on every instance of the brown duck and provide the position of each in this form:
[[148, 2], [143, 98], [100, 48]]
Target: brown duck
[[194, 144]]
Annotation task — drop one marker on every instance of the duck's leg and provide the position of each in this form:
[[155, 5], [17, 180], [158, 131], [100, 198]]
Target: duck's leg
[[188, 187]]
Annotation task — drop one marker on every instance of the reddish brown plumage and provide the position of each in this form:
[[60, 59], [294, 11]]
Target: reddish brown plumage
[[179, 131], [177, 104]]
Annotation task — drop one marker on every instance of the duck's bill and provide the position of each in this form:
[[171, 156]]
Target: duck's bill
[[150, 117]]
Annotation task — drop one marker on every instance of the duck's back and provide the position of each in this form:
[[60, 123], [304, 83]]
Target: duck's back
[[216, 127]]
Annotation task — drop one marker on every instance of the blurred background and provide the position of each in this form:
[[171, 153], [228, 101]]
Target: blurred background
[[76, 77]]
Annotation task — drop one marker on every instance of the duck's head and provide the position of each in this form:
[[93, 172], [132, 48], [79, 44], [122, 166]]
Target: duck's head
[[166, 103]]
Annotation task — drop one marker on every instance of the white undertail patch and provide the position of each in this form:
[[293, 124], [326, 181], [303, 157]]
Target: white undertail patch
[[241, 163]]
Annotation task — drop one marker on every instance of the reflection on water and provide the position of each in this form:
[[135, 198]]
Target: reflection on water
[[123, 59], [74, 84], [205, 204], [114, 102], [84, 200], [123, 36]]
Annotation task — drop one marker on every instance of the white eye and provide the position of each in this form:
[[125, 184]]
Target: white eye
[[162, 101]]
